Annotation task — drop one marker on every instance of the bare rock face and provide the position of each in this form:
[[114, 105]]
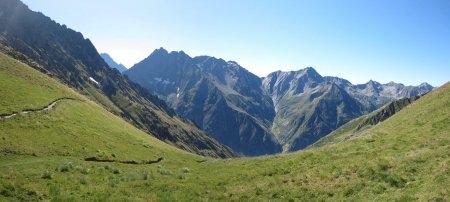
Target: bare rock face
[[221, 97], [387, 111], [285, 111], [308, 107]]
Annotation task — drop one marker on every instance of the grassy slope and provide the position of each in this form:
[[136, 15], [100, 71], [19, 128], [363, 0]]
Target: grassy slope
[[403, 158], [65, 54], [343, 133], [361, 125], [13, 83], [73, 130]]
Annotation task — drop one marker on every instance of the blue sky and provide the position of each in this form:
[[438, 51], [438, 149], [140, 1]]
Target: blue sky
[[406, 41]]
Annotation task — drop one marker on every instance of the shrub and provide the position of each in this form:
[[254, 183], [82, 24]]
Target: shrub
[[259, 191], [379, 189], [83, 181], [145, 176], [275, 195], [116, 171], [132, 176], [83, 169], [8, 190], [164, 171], [392, 179], [47, 175], [55, 190], [383, 165], [185, 170], [348, 192], [405, 198], [66, 167], [396, 181]]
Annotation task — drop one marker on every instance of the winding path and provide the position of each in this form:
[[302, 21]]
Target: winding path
[[95, 159], [26, 111]]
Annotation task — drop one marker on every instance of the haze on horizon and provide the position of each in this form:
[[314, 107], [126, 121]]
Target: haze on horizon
[[404, 41]]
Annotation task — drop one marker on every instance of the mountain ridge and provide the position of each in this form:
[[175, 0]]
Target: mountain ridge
[[186, 82], [360, 126], [208, 91]]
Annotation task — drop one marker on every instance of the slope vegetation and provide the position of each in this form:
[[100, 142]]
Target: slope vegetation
[[42, 157], [69, 125], [359, 126]]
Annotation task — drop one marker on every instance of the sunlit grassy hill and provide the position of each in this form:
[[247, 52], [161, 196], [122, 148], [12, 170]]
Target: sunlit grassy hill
[[360, 126], [42, 156]]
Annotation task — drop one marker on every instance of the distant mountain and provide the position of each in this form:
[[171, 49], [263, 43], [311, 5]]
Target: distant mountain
[[113, 63], [221, 97], [307, 106], [71, 58], [374, 95], [285, 111], [310, 106]]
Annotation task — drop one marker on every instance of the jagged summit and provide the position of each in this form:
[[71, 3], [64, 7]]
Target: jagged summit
[[158, 52], [310, 70], [221, 97], [373, 83], [161, 49], [425, 85], [162, 52], [256, 115]]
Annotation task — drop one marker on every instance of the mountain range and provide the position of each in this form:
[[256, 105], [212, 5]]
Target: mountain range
[[203, 104], [282, 112], [221, 97]]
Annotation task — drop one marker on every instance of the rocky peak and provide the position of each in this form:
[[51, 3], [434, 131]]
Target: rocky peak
[[342, 83], [308, 74], [373, 84], [159, 51], [311, 72], [425, 85]]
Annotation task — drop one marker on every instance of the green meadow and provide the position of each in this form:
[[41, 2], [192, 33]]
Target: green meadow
[[42, 156]]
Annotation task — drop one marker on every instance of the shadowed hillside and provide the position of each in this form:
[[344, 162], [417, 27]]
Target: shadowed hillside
[[68, 56]]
